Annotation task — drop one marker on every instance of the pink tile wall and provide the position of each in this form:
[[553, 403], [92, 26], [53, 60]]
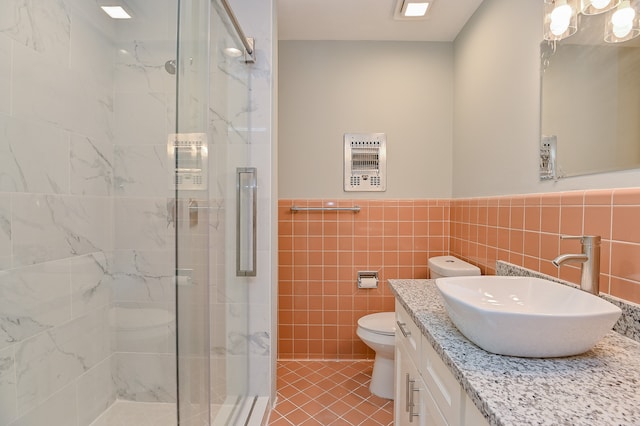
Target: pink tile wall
[[320, 254], [525, 230]]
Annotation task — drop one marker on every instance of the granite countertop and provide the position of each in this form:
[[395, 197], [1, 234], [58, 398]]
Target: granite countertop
[[599, 387]]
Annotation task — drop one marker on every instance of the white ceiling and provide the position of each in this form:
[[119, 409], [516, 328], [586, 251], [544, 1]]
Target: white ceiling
[[369, 20]]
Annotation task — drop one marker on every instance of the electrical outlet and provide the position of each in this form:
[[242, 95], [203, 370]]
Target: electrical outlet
[[548, 150], [549, 142]]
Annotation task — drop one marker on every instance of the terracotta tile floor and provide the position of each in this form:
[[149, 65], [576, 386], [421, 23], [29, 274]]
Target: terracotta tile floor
[[328, 393]]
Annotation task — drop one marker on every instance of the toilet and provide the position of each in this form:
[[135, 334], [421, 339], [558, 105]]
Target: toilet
[[450, 266], [378, 330]]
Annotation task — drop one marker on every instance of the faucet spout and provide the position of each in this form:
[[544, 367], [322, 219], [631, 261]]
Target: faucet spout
[[578, 258], [589, 260]]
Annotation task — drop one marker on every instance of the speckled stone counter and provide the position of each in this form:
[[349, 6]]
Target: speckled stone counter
[[599, 387]]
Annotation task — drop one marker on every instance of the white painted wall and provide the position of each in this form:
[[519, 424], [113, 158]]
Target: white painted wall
[[403, 89], [497, 106]]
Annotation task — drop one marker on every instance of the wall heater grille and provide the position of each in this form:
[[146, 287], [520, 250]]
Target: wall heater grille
[[365, 162]]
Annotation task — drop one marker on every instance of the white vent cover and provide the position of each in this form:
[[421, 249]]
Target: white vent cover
[[365, 162]]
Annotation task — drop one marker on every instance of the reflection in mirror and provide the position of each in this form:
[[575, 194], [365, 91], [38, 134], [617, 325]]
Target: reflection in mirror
[[590, 104]]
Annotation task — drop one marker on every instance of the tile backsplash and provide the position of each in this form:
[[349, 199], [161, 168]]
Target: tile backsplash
[[321, 253], [525, 230]]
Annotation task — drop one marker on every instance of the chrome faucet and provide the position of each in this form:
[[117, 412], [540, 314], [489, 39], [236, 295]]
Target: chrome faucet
[[589, 258]]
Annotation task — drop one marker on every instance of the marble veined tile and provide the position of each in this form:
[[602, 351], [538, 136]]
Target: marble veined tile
[[143, 327], [144, 276], [43, 90], [8, 402], [5, 74], [143, 224], [33, 157], [57, 410], [50, 227], [92, 49], [43, 26], [142, 170], [91, 15], [140, 65], [91, 166], [32, 300], [145, 377], [95, 392], [142, 118], [91, 279], [5, 231], [49, 361]]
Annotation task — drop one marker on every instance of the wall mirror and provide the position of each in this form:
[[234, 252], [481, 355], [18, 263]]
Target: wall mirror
[[590, 105]]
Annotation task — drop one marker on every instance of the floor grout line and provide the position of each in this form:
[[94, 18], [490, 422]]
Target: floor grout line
[[342, 380]]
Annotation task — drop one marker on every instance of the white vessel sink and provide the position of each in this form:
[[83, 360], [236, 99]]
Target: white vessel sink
[[526, 317]]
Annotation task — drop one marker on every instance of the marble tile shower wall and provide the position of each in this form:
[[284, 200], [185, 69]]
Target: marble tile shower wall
[[84, 223], [144, 229], [56, 180]]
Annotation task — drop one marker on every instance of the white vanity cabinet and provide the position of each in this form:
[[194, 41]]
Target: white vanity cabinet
[[426, 393], [410, 389]]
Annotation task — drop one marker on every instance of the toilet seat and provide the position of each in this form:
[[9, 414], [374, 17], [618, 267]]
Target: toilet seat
[[380, 323]]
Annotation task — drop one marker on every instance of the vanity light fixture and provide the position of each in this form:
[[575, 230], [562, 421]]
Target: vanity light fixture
[[412, 9], [622, 24], [560, 19], [116, 12], [622, 21], [596, 7]]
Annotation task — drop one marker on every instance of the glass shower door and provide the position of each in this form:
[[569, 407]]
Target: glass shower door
[[210, 143]]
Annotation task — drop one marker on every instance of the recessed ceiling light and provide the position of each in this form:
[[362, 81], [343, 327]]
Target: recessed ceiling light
[[411, 9], [116, 12]]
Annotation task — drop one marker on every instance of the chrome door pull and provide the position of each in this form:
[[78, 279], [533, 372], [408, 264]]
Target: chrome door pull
[[412, 405], [246, 188], [403, 329]]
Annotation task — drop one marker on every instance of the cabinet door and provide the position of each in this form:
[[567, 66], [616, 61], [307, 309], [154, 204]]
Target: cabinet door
[[412, 396], [400, 407]]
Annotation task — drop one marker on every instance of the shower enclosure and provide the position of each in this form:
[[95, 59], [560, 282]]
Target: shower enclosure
[[128, 204]]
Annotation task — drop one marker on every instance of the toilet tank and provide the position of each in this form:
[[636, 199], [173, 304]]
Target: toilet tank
[[450, 266]]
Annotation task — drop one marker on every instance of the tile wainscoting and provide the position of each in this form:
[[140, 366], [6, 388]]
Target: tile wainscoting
[[525, 230], [320, 253]]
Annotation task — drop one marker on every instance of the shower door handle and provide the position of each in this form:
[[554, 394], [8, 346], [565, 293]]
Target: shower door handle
[[247, 191]]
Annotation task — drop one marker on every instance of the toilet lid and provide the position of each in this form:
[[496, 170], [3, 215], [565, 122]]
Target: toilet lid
[[381, 323]]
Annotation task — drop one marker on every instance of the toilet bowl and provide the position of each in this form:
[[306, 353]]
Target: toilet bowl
[[378, 332]]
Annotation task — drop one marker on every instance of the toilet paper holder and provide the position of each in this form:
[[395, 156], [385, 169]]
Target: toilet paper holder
[[367, 279]]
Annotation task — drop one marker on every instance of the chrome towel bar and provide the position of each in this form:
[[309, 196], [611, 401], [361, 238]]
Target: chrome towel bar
[[354, 209]]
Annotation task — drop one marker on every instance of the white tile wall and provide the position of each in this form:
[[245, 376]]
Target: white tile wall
[[143, 377], [84, 220], [49, 361], [8, 396], [34, 157], [56, 219], [5, 74], [47, 227]]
